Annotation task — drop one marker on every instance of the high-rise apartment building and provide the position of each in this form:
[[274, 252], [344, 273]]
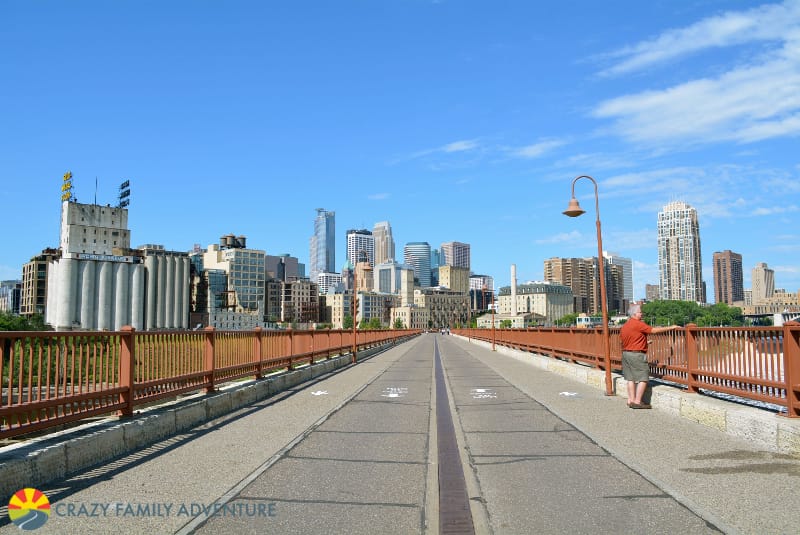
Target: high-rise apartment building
[[383, 243], [322, 258], [359, 241], [652, 292], [34, 283], [583, 277], [627, 273], [418, 256], [728, 277], [455, 254], [763, 280], [680, 264]]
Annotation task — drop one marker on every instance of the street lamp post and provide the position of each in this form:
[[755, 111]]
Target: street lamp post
[[355, 310], [574, 210], [493, 337], [483, 301]]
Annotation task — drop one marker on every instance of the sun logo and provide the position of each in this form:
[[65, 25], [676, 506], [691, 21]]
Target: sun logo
[[29, 509]]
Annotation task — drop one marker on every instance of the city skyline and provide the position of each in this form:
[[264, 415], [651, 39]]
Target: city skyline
[[244, 118]]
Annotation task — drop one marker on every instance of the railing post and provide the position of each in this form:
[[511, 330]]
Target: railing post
[[328, 340], [127, 355], [692, 360], [209, 360], [291, 347], [791, 367], [257, 352]]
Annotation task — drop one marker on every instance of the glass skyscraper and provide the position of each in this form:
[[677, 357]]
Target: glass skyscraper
[[418, 256], [323, 244]]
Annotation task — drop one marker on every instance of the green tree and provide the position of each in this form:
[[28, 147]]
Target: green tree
[[347, 322], [12, 322], [661, 313], [505, 324], [398, 324], [374, 324], [566, 321]]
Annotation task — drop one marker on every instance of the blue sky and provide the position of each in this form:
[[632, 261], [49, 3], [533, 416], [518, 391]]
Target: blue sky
[[455, 120]]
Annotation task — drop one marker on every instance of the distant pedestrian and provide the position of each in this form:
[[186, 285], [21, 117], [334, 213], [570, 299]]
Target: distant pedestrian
[[635, 368]]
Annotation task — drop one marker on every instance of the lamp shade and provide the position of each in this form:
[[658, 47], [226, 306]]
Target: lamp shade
[[574, 209]]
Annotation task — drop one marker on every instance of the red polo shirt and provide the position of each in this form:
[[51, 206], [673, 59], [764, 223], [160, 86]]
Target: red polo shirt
[[634, 335]]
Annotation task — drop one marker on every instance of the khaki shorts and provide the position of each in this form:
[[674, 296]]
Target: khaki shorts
[[635, 367]]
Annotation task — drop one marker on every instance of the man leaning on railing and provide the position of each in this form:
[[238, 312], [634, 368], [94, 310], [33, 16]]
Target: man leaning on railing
[[635, 368]]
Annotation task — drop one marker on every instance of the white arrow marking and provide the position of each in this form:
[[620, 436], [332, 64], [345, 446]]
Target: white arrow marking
[[319, 393]]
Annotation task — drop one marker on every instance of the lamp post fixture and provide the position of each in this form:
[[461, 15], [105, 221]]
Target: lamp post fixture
[[574, 210], [493, 334], [355, 310]]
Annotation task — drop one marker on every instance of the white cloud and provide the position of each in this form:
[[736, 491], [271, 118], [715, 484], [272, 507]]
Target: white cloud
[[378, 196], [538, 149], [459, 146], [744, 105], [463, 145], [747, 103], [764, 23], [595, 161], [775, 210], [562, 237], [631, 239]]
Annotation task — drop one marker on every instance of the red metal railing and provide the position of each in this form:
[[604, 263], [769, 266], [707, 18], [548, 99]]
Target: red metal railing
[[53, 378], [758, 363]]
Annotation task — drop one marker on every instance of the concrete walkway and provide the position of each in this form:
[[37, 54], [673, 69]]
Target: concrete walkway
[[354, 452]]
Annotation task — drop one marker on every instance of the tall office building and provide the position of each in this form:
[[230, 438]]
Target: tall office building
[[10, 296], [436, 262], [763, 280], [359, 241], [455, 254], [680, 264], [383, 243], [323, 244], [728, 277], [454, 278], [418, 256], [388, 276], [627, 273], [246, 273], [284, 268]]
